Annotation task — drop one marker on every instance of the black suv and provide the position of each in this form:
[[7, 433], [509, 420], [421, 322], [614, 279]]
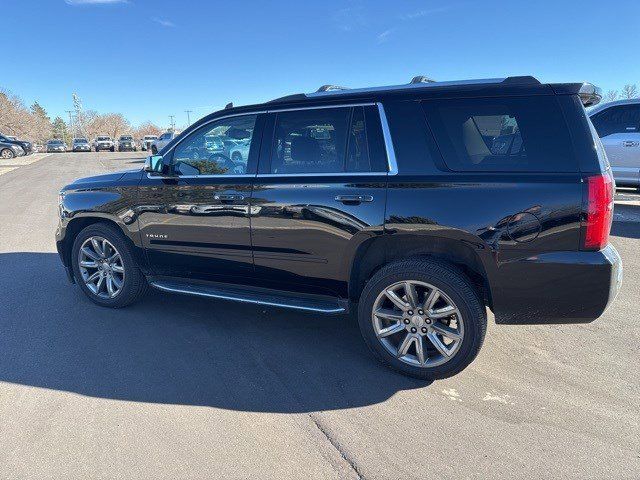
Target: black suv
[[416, 206], [25, 145]]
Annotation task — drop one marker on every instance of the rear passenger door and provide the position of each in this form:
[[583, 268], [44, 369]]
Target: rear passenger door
[[619, 129], [320, 192]]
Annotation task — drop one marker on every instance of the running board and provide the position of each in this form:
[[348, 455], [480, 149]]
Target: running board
[[269, 298]]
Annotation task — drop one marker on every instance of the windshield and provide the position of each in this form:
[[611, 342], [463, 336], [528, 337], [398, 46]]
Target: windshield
[[150, 137], [103, 138], [125, 138], [79, 140], [55, 142]]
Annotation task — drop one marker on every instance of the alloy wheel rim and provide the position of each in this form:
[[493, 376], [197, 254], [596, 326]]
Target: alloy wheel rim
[[6, 154], [101, 267], [418, 323]]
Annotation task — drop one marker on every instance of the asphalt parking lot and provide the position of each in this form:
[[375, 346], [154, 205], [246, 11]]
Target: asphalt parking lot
[[178, 387]]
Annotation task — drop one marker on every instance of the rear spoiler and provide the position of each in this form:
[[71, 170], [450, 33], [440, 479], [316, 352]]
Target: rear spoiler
[[589, 94]]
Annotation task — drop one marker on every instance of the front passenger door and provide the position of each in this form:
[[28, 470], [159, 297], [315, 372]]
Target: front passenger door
[[195, 222]]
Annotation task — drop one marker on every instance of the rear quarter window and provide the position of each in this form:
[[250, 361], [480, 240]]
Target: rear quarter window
[[508, 134]]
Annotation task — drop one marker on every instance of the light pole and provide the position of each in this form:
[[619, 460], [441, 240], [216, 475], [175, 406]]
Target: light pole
[[188, 117], [173, 123], [70, 112]]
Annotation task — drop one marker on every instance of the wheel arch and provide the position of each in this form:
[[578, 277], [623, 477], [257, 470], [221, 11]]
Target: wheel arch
[[377, 252], [79, 223]]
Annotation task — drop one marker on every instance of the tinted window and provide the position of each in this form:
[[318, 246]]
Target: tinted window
[[358, 147], [310, 141], [516, 134], [324, 140], [219, 148], [621, 119]]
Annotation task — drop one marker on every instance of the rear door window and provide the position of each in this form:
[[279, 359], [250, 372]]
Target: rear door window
[[327, 140], [510, 134]]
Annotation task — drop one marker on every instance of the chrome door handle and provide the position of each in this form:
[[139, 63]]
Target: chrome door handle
[[630, 143], [354, 198], [228, 197]]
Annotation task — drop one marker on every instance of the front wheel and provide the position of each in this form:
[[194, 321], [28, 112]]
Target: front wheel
[[104, 267], [7, 154], [154, 150], [422, 318]]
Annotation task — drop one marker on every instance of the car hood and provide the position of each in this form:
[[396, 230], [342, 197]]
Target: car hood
[[105, 180]]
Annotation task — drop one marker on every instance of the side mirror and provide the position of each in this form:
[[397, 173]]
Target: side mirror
[[154, 164]]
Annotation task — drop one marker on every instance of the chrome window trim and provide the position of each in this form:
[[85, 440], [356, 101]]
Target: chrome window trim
[[386, 135], [388, 141]]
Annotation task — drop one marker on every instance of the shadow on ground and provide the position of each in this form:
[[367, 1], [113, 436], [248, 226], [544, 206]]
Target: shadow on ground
[[180, 350]]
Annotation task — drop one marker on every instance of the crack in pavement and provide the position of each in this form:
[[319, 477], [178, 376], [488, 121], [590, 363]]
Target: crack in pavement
[[337, 446]]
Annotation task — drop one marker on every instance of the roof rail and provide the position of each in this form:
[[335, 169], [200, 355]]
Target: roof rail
[[422, 79], [330, 88]]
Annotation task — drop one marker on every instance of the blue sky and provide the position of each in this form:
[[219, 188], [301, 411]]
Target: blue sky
[[153, 58]]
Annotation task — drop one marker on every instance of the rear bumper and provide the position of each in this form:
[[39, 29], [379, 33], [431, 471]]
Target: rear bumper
[[559, 287]]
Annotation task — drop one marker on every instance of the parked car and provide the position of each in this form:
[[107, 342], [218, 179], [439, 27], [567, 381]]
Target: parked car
[[162, 141], [618, 125], [56, 146], [127, 143], [80, 145], [104, 142], [26, 146], [147, 140], [417, 206], [10, 150]]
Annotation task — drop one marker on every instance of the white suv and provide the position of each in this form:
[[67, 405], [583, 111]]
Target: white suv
[[147, 140], [162, 141], [618, 125], [104, 142]]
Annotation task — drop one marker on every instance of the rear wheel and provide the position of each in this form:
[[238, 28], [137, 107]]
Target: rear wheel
[[154, 150], [422, 318], [105, 268], [7, 153]]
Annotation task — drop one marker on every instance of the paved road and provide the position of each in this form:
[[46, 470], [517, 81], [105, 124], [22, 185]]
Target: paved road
[[176, 387]]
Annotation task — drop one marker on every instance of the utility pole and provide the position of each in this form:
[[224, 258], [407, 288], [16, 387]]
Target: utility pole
[[188, 117], [70, 112], [173, 123]]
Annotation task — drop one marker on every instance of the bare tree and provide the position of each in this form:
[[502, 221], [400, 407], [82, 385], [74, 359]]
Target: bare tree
[[112, 124], [18, 120], [630, 91], [611, 96], [147, 128]]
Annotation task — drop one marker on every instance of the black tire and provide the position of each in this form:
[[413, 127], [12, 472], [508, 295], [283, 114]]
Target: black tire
[[113, 149], [134, 285], [8, 152], [154, 150], [450, 280]]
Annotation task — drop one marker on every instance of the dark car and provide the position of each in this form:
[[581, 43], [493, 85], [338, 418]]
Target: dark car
[[127, 143], [56, 146], [10, 150], [80, 145], [25, 145], [416, 206]]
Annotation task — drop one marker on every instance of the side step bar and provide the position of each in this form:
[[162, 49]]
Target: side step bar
[[293, 301]]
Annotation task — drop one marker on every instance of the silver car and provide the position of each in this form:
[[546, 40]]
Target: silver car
[[618, 125], [163, 140]]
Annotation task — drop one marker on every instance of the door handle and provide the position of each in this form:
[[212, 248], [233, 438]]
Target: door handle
[[630, 143], [228, 197], [354, 199]]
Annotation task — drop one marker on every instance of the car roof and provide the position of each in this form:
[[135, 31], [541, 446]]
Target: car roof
[[418, 88]]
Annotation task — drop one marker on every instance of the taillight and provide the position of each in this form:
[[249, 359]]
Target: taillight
[[599, 211]]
